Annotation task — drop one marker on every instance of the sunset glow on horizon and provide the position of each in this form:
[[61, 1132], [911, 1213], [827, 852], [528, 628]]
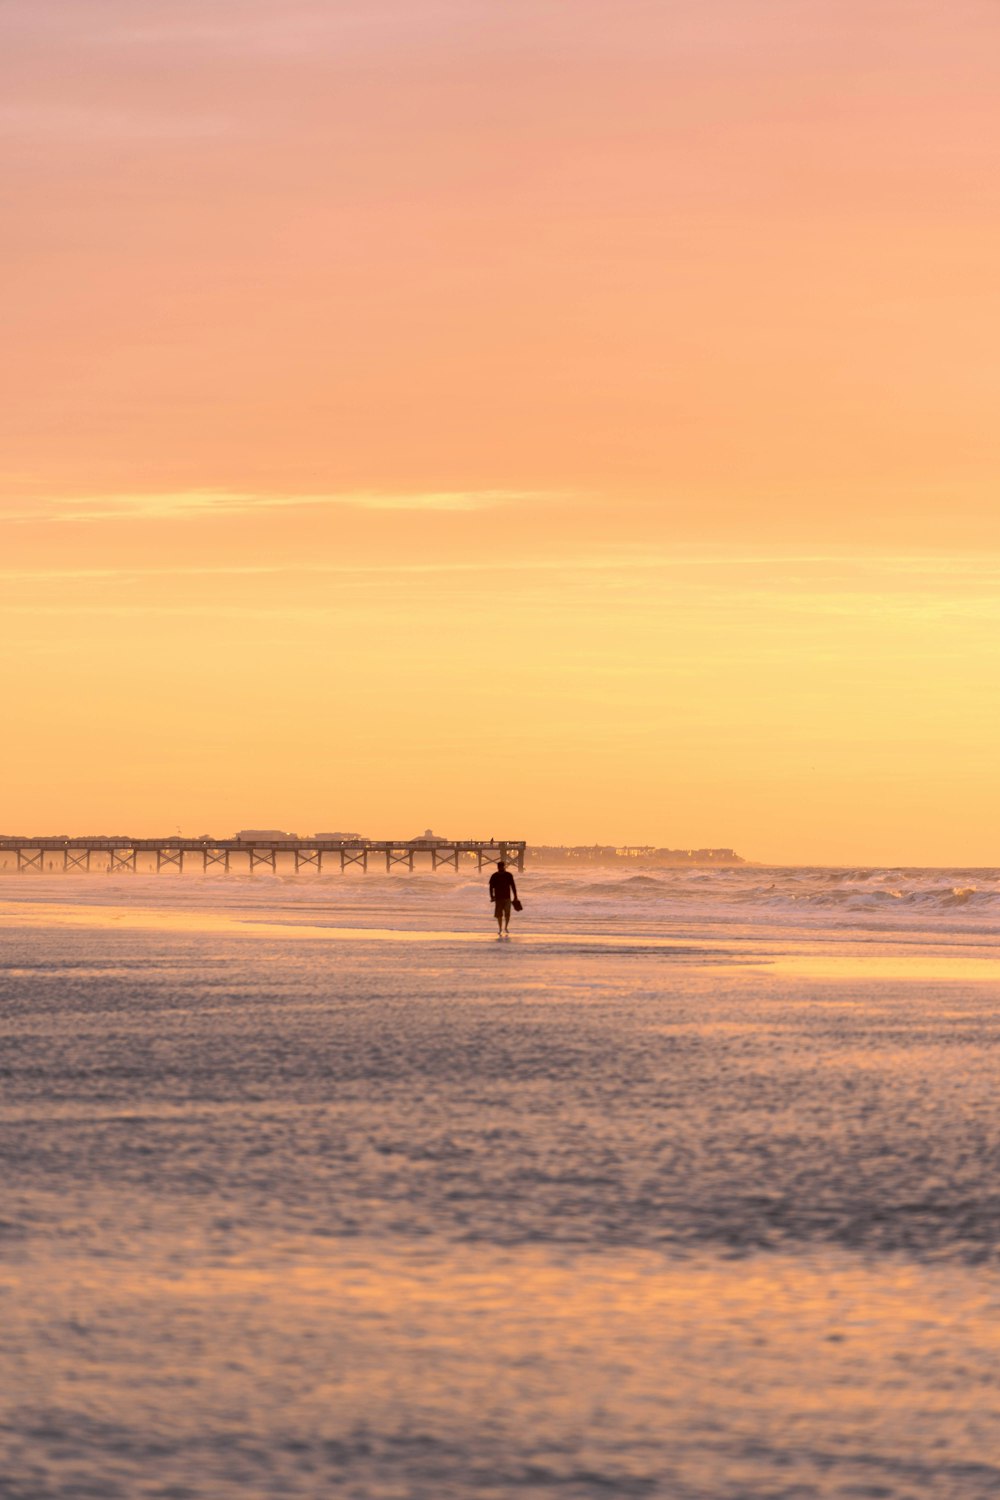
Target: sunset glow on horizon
[[574, 423]]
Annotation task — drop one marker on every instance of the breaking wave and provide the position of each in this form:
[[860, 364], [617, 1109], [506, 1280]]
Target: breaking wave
[[811, 896]]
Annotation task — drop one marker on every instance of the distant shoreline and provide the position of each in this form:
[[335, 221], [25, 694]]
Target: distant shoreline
[[624, 855]]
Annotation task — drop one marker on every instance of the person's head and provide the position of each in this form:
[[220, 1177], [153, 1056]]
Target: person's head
[[501, 864]]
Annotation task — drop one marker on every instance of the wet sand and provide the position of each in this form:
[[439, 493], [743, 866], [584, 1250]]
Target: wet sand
[[631, 1205]]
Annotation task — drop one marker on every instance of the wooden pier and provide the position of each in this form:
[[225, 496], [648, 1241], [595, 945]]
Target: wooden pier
[[121, 855]]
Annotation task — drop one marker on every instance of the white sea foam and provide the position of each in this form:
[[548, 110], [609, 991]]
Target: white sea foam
[[932, 901]]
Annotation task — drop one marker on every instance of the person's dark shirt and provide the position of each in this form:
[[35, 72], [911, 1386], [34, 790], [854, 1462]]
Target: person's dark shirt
[[502, 887]]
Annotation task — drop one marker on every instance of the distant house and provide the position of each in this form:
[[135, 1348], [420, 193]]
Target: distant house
[[428, 839], [341, 838], [264, 835]]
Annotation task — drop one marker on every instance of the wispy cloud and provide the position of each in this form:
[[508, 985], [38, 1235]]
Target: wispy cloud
[[789, 572], [299, 29], [100, 125], [195, 503]]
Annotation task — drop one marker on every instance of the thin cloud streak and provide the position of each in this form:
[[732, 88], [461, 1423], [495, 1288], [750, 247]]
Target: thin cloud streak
[[213, 503], [250, 29], [99, 126], [937, 567]]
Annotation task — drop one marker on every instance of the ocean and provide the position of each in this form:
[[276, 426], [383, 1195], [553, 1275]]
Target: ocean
[[315, 1188]]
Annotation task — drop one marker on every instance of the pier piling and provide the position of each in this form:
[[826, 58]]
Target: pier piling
[[122, 855]]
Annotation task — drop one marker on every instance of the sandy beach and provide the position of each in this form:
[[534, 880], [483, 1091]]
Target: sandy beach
[[688, 1190]]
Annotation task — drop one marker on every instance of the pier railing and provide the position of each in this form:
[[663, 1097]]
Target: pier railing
[[122, 854]]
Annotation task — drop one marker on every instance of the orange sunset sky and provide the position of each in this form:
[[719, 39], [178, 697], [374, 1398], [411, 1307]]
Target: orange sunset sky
[[565, 419]]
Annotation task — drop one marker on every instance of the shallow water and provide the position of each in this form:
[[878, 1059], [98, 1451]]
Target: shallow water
[[690, 1189]]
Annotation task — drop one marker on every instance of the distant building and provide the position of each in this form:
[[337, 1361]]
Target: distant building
[[426, 840], [264, 835], [698, 856], [604, 854], [341, 838]]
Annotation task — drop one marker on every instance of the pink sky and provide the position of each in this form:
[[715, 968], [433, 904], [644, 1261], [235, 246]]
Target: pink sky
[[719, 254], [557, 286]]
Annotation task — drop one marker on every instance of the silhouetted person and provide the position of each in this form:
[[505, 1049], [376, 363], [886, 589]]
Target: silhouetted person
[[502, 892]]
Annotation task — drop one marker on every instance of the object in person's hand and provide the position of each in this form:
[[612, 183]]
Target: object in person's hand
[[517, 905]]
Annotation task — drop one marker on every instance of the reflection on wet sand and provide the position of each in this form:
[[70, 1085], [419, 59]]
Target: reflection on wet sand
[[313, 1192], [477, 1372], [805, 956]]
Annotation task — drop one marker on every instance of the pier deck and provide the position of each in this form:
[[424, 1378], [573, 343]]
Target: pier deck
[[119, 853]]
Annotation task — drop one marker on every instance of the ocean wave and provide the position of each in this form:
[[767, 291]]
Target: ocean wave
[[839, 899], [645, 899]]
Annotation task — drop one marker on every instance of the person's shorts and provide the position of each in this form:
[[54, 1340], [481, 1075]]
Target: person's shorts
[[502, 909]]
